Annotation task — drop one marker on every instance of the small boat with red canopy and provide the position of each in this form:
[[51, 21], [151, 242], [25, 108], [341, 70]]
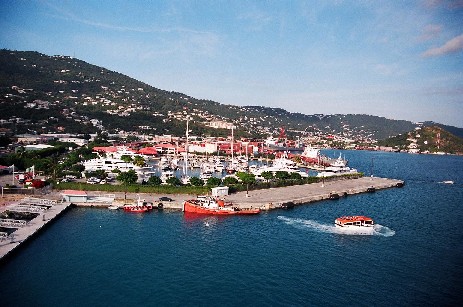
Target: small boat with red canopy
[[211, 206], [355, 222], [139, 207]]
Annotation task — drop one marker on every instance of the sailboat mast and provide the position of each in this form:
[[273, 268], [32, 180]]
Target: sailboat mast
[[232, 149], [186, 146]]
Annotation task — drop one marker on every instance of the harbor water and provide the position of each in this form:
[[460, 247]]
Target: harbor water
[[99, 257]]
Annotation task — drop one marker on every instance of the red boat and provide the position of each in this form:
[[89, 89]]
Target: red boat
[[135, 208], [140, 206], [214, 207]]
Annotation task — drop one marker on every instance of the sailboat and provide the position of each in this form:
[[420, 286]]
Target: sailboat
[[185, 179]]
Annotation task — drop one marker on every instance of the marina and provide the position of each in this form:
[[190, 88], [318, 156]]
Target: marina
[[300, 249]]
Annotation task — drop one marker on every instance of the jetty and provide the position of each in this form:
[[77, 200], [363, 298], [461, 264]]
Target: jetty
[[284, 197], [271, 198], [21, 220]]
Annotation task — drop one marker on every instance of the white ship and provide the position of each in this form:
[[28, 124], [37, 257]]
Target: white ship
[[110, 164], [282, 164]]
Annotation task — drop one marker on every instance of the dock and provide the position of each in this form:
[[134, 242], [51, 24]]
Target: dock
[[25, 218], [20, 230], [284, 197], [275, 198]]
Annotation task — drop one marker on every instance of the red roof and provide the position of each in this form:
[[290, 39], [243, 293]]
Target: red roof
[[105, 149], [148, 151]]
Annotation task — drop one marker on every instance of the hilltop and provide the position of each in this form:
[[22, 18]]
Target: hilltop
[[77, 97], [432, 139]]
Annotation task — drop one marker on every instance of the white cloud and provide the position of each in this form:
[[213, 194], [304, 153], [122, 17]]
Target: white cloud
[[430, 32], [452, 46]]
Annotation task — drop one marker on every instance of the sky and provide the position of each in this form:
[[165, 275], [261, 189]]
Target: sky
[[396, 59]]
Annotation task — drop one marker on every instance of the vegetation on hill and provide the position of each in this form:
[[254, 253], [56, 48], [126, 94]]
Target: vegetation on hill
[[432, 139], [77, 97]]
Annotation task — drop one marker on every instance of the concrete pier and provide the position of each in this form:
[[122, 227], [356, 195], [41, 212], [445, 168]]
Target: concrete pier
[[275, 198], [47, 211]]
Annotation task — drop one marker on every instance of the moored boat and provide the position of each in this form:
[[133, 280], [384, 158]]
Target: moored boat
[[140, 206], [135, 209], [214, 207]]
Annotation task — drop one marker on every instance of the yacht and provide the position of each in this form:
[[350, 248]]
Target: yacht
[[282, 164], [110, 164]]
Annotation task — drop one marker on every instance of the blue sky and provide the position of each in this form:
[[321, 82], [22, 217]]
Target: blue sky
[[397, 59]]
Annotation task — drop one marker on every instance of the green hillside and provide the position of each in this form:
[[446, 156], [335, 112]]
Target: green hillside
[[433, 139], [77, 97]]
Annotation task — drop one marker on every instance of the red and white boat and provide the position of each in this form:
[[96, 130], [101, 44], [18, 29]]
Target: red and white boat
[[214, 207], [354, 222], [139, 207]]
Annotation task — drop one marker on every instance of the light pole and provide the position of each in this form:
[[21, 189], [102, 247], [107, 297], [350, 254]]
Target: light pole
[[371, 169]]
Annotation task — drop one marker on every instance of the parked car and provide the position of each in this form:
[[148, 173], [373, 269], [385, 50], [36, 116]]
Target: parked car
[[93, 180], [165, 198]]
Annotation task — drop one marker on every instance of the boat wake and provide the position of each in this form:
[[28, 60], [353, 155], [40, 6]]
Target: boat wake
[[376, 230]]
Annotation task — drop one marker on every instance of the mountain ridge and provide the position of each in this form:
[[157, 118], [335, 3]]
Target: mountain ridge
[[77, 97]]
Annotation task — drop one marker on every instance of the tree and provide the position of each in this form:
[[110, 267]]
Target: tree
[[100, 174], [213, 182], [267, 175], [295, 176], [174, 181], [128, 177], [126, 158], [230, 180], [247, 179], [4, 141], [197, 182], [154, 180], [139, 161], [282, 175]]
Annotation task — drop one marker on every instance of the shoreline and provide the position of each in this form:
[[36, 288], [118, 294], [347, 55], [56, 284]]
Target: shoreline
[[271, 198], [267, 199]]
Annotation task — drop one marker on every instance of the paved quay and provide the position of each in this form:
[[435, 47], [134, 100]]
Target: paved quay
[[275, 198], [47, 211]]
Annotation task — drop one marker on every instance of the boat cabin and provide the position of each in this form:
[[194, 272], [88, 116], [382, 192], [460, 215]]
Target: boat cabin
[[359, 221]]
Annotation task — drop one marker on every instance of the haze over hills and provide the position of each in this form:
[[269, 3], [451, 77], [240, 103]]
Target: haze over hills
[[77, 97]]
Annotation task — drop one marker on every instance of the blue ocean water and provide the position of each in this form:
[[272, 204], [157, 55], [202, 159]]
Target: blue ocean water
[[97, 257]]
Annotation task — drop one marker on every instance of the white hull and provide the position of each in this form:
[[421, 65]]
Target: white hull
[[109, 164], [356, 229]]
